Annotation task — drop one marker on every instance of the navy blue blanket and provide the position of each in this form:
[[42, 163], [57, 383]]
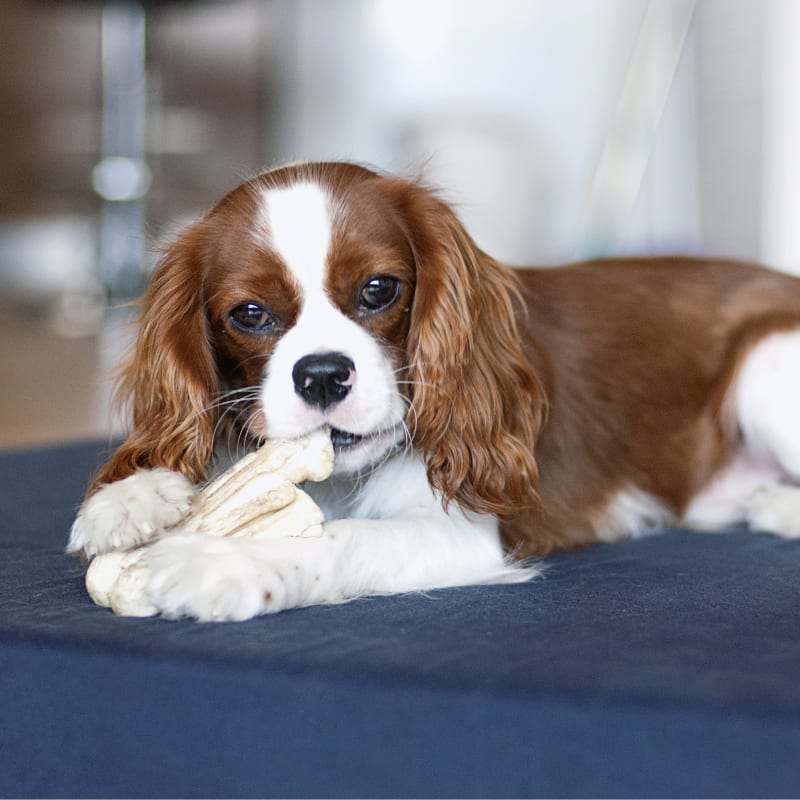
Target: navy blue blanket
[[668, 666]]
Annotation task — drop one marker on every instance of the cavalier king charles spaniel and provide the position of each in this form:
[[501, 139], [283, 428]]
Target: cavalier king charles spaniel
[[479, 416]]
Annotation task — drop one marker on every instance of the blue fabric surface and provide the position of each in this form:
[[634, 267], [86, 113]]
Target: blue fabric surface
[[667, 666]]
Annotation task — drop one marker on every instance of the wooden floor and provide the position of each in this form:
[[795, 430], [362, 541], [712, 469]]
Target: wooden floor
[[53, 388]]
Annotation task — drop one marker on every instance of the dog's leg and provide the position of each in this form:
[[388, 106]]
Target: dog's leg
[[210, 579], [767, 396]]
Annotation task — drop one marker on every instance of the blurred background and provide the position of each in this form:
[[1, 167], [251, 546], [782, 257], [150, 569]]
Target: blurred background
[[560, 128]]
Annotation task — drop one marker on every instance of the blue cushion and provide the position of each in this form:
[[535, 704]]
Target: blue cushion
[[668, 666]]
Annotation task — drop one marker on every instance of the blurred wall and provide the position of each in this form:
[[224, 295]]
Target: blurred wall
[[505, 104], [206, 91], [205, 84], [512, 106], [515, 107]]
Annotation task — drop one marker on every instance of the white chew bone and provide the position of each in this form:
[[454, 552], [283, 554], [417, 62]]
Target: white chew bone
[[112, 582], [256, 497]]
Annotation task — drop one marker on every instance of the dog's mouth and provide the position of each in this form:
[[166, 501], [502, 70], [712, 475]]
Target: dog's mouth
[[355, 451], [345, 440]]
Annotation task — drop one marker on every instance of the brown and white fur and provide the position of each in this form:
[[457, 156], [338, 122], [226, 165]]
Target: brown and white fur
[[479, 416]]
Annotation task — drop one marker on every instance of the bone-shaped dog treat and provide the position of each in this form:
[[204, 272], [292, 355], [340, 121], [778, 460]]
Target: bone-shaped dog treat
[[256, 497]]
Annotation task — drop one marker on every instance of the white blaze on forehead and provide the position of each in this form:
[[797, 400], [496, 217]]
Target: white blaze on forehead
[[299, 224]]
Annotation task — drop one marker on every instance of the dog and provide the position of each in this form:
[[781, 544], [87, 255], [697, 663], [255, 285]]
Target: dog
[[479, 416]]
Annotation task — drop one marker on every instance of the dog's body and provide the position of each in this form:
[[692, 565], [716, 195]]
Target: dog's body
[[671, 387], [575, 404]]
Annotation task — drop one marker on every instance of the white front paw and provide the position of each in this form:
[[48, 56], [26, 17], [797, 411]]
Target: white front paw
[[206, 578], [131, 512], [215, 579]]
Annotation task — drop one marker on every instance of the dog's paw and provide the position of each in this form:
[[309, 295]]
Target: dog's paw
[[206, 578], [776, 509], [131, 512], [213, 579]]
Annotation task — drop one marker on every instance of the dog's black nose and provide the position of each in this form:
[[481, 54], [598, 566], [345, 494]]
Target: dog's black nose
[[323, 379]]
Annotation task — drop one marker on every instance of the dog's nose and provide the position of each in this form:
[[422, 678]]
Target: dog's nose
[[323, 379]]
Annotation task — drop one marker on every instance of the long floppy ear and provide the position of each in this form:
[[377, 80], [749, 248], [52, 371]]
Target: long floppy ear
[[478, 406], [171, 379]]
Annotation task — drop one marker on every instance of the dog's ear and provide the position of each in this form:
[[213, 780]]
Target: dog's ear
[[477, 405], [171, 379]]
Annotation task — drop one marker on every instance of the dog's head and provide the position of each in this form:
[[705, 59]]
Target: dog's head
[[326, 294]]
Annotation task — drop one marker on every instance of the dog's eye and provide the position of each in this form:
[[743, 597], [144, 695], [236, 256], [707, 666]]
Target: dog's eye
[[378, 293], [252, 318]]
